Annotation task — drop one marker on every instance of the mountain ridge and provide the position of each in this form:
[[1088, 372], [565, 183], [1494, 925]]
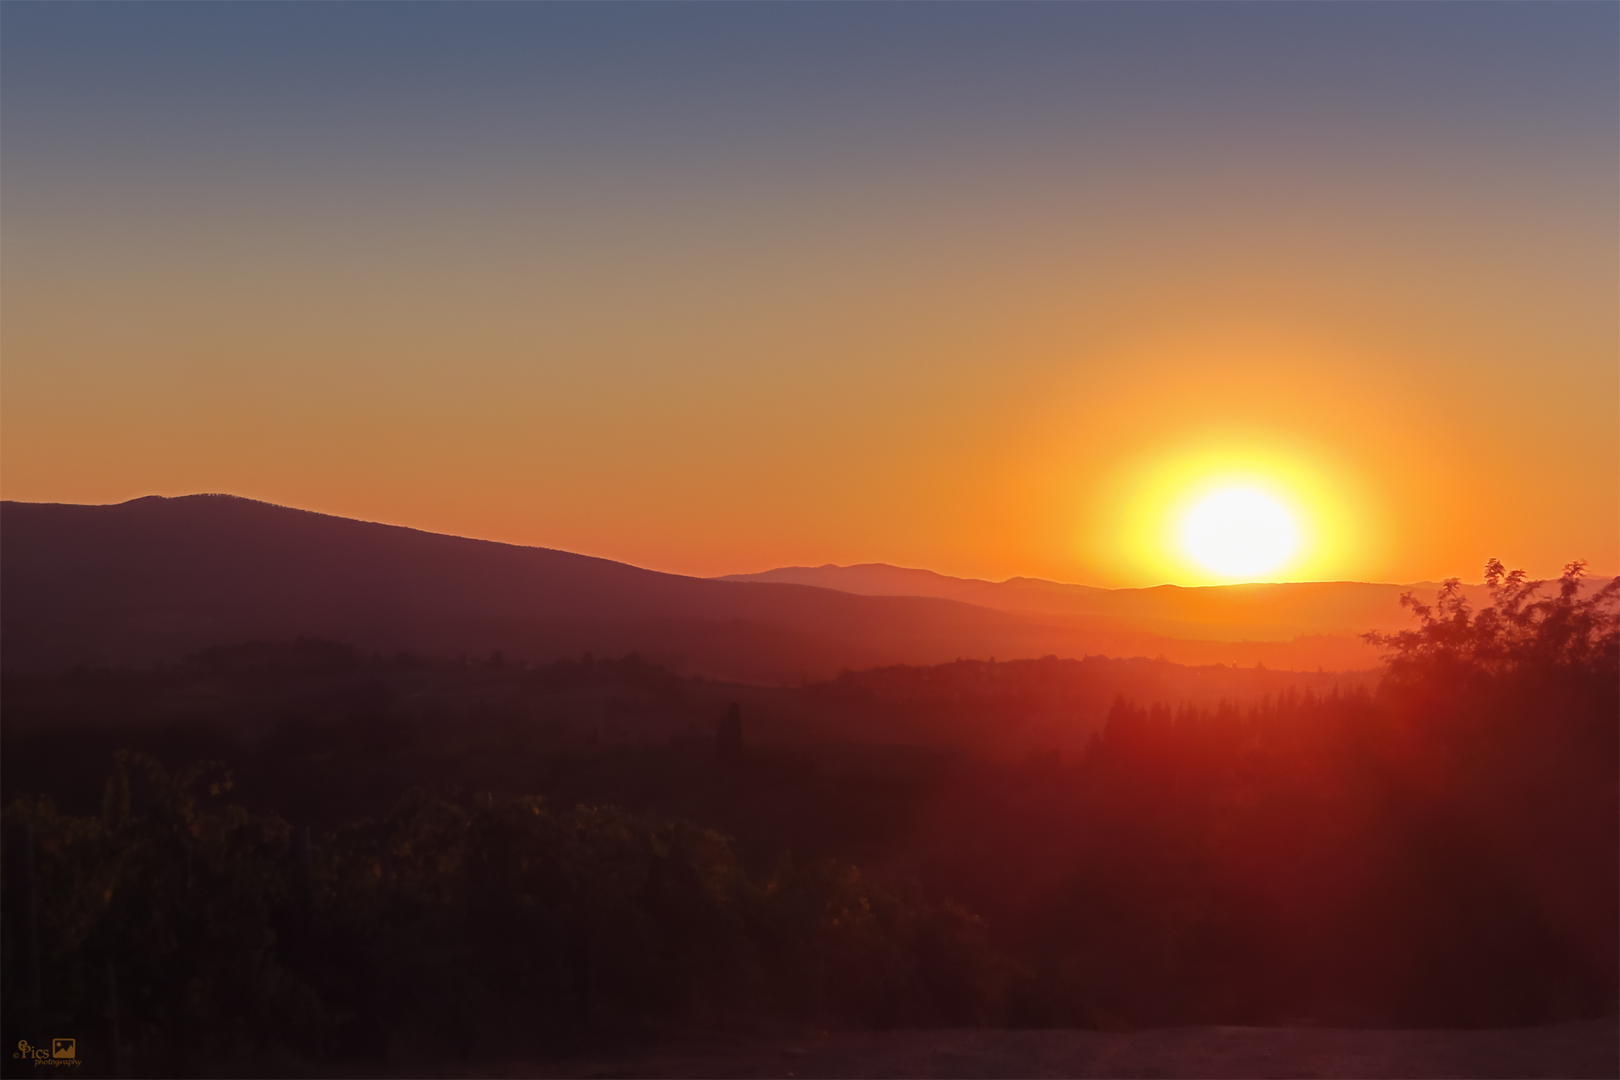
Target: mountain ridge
[[1277, 611], [156, 578], [1024, 579]]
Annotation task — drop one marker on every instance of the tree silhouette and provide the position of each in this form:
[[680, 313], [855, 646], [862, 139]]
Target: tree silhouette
[[1521, 630]]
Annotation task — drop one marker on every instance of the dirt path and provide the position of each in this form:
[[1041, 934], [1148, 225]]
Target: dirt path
[[1584, 1049]]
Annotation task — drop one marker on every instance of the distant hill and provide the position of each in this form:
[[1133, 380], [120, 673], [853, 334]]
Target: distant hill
[[155, 579], [1278, 612]]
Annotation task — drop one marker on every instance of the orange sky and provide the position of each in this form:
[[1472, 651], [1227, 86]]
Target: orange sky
[[981, 351]]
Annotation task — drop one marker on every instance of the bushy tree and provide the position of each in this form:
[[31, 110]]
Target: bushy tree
[[1502, 736], [1522, 631]]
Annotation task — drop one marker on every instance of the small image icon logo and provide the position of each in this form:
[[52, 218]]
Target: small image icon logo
[[63, 1048]]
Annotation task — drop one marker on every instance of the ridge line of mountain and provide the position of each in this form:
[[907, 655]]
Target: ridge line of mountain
[[158, 577], [1021, 579]]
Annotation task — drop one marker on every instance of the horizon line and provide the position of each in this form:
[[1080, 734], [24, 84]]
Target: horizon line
[[1423, 583]]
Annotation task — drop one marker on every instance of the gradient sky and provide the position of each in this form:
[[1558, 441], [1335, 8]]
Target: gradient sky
[[714, 288]]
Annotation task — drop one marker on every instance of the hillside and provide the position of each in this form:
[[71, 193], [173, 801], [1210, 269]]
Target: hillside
[[156, 579], [1261, 612]]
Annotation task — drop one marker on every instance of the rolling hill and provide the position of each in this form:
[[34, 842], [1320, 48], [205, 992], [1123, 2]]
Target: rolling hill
[[1272, 611], [155, 579]]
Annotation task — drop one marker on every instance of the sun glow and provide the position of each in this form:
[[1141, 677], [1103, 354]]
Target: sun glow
[[1219, 507], [1239, 533]]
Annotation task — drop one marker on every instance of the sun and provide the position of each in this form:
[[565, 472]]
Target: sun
[[1214, 508], [1239, 533]]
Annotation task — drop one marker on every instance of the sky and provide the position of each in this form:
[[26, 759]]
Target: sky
[[993, 290]]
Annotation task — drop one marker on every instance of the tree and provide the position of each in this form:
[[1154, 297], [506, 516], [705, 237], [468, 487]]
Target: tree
[[1521, 631]]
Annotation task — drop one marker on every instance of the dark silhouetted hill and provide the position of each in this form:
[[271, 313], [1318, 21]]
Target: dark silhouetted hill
[[156, 579]]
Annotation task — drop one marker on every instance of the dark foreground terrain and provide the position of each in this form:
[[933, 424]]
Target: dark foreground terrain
[[1581, 1049], [283, 859]]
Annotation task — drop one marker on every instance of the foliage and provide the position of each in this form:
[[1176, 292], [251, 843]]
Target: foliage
[[1521, 630], [167, 907], [459, 927]]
